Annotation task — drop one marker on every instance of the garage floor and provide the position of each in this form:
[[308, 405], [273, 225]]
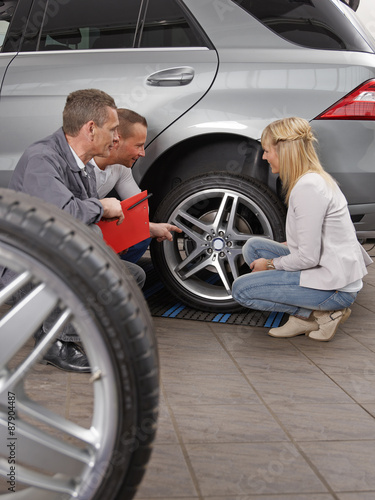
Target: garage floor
[[246, 416]]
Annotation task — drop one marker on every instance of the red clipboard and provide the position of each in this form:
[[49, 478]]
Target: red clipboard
[[133, 229]]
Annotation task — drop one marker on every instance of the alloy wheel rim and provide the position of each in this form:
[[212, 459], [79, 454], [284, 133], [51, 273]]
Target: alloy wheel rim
[[72, 459], [207, 258]]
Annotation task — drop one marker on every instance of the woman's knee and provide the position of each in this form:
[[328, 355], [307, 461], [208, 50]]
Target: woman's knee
[[242, 287], [235, 289], [254, 242], [258, 247], [250, 248]]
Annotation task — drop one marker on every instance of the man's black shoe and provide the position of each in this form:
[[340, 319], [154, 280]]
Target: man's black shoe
[[66, 356]]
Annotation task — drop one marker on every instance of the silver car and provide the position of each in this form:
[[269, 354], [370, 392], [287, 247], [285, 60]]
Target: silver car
[[209, 75]]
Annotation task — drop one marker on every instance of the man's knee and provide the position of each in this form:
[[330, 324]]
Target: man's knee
[[136, 271]]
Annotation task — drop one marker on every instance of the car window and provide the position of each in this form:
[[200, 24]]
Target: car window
[[82, 25], [3, 29], [317, 24], [167, 25], [7, 9]]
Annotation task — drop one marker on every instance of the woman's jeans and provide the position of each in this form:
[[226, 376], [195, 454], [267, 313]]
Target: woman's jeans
[[274, 290]]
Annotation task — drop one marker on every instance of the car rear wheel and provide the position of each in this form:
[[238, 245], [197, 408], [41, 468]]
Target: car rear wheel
[[218, 213], [100, 449]]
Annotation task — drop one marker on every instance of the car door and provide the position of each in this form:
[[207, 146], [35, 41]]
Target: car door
[[8, 9], [150, 56]]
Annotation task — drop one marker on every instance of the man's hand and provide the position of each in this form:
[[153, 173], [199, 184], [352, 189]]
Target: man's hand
[[112, 209], [258, 265], [162, 231]]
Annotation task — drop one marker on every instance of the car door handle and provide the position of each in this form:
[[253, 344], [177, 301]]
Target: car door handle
[[171, 77]]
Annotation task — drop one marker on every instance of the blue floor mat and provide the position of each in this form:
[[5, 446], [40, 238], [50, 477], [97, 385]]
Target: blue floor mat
[[164, 304]]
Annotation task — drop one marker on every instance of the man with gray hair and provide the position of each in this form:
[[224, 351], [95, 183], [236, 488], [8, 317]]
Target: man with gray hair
[[57, 170]]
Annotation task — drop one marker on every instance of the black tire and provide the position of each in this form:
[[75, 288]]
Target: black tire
[[201, 264], [80, 273]]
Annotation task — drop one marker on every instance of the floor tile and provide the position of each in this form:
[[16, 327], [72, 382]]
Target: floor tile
[[182, 360], [170, 337], [205, 389], [255, 468], [292, 388], [370, 495], [291, 496], [81, 399], [170, 327], [165, 430], [167, 475], [227, 424], [370, 408], [345, 465], [238, 337], [360, 326], [266, 361], [324, 422], [359, 385], [366, 297], [49, 387], [342, 355]]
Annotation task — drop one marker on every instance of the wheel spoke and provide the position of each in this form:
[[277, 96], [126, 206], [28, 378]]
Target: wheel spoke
[[13, 287], [21, 371], [219, 218], [14, 331], [194, 269], [232, 217], [53, 454], [220, 267], [233, 260], [182, 265], [199, 240], [57, 483], [193, 220], [55, 421]]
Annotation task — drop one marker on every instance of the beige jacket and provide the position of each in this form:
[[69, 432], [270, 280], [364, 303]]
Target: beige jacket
[[321, 237]]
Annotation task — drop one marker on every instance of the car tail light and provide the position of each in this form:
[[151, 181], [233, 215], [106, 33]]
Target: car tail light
[[358, 105]]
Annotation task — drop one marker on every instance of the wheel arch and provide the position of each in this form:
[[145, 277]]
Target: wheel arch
[[232, 153]]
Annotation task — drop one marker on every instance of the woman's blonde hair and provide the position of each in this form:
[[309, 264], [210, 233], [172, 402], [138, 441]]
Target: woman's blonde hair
[[294, 141]]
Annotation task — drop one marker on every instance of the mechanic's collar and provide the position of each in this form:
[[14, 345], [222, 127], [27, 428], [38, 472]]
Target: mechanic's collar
[[78, 160]]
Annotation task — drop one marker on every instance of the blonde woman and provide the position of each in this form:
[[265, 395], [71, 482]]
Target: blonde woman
[[316, 275]]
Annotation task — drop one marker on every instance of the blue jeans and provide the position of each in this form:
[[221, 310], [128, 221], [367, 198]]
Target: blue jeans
[[135, 252], [280, 290]]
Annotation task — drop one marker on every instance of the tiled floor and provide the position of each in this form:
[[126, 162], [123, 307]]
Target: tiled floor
[[246, 416]]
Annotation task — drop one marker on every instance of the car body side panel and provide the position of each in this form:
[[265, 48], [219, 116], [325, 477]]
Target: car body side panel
[[5, 60], [248, 94], [257, 84], [347, 150], [41, 81]]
